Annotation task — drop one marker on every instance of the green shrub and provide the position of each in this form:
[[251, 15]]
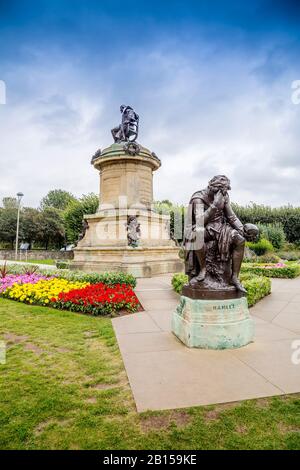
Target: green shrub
[[257, 286], [110, 278], [292, 228], [60, 264], [249, 256], [274, 233], [272, 270], [287, 216], [289, 255], [268, 258], [178, 281], [261, 247]]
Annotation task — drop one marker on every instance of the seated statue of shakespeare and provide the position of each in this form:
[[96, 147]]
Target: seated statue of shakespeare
[[214, 239], [127, 131]]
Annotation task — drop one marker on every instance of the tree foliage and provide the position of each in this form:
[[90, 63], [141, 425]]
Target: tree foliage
[[30, 225], [10, 203], [57, 199], [42, 227], [288, 216], [8, 225], [52, 230], [73, 215], [274, 233], [176, 214]]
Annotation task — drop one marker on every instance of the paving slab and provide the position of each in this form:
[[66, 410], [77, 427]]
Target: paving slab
[[273, 360], [140, 322], [266, 331], [165, 374], [162, 318], [181, 378], [150, 342], [290, 320]]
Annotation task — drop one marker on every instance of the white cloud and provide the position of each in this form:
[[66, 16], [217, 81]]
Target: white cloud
[[203, 112]]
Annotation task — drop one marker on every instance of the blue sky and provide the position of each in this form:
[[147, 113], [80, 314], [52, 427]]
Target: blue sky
[[211, 81]]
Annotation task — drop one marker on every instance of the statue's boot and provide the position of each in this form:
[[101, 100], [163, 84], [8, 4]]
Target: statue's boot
[[202, 263], [200, 278], [237, 258], [238, 285]]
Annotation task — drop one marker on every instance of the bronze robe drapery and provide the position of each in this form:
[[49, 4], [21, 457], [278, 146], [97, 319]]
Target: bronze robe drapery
[[205, 223]]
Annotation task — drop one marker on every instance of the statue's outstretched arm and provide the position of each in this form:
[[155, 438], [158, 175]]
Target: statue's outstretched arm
[[232, 218]]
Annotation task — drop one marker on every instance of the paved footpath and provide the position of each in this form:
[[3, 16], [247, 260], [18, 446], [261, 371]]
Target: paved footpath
[[164, 374]]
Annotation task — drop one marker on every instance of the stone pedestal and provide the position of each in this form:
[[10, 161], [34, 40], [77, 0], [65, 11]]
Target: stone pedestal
[[213, 324], [126, 191]]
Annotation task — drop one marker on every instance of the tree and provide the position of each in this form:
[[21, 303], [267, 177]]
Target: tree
[[57, 199], [73, 215], [10, 203], [176, 214], [8, 225], [51, 228], [30, 225]]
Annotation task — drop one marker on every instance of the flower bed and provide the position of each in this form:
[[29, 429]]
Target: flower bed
[[40, 292], [11, 279], [280, 270], [96, 299], [110, 278], [257, 286]]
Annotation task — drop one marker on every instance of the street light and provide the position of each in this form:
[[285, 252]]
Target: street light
[[19, 195]]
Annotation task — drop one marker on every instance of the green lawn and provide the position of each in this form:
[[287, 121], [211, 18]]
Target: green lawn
[[64, 387], [38, 261]]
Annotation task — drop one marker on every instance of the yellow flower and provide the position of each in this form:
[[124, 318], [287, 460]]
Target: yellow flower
[[42, 291]]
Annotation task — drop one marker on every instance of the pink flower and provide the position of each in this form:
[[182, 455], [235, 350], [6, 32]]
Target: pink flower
[[278, 265], [12, 279]]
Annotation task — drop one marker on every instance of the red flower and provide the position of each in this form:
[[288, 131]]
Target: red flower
[[98, 298]]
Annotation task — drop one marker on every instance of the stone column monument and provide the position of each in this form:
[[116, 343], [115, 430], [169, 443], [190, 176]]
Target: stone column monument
[[126, 234], [213, 311]]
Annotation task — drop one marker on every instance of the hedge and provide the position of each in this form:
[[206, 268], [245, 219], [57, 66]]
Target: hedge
[[261, 247], [289, 271], [274, 233], [257, 286], [109, 278], [287, 216]]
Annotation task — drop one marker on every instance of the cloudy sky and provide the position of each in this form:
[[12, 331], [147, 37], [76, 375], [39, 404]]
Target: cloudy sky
[[211, 81]]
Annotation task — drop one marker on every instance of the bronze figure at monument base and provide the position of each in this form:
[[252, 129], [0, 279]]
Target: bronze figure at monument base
[[214, 244]]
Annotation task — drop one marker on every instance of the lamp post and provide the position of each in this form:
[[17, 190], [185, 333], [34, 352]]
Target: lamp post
[[20, 195]]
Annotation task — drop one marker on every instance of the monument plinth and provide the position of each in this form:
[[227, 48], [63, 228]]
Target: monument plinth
[[213, 324], [126, 234], [126, 171]]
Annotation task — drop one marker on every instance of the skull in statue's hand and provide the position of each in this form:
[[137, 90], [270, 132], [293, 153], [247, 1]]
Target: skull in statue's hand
[[251, 232]]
